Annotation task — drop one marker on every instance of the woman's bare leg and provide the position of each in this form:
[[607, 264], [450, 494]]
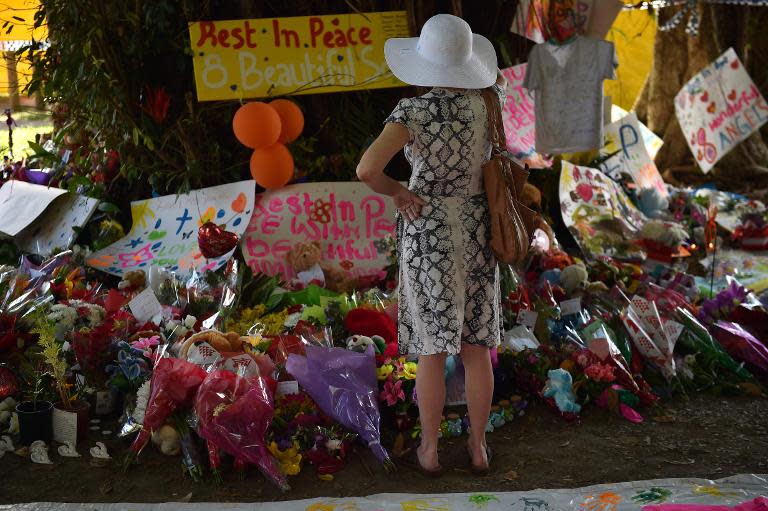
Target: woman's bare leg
[[430, 389], [478, 382]]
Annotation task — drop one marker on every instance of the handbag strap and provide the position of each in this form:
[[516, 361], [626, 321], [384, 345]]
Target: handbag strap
[[495, 124]]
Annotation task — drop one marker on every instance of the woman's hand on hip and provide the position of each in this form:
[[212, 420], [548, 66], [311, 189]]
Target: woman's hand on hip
[[408, 204]]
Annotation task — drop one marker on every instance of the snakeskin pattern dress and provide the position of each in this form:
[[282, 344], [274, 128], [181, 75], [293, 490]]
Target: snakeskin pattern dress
[[449, 279]]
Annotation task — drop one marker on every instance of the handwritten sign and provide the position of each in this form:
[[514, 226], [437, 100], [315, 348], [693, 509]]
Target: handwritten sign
[[520, 119], [349, 221], [164, 231], [533, 20], [632, 158], [21, 203], [257, 58], [54, 229], [652, 141], [718, 108]]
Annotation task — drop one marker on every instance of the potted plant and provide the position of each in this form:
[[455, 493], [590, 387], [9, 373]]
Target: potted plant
[[35, 412], [70, 414]]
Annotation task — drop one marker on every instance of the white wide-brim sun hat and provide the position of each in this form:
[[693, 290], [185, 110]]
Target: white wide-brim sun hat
[[446, 54]]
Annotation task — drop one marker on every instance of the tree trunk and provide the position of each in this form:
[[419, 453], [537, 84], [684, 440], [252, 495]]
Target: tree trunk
[[677, 58]]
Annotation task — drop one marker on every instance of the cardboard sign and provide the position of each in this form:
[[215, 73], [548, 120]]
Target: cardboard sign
[[164, 231], [259, 58], [520, 119], [350, 222], [54, 229], [632, 158], [22, 203], [652, 141], [533, 20], [718, 108]]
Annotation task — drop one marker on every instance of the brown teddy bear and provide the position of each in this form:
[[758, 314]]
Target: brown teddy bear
[[306, 259], [531, 198]]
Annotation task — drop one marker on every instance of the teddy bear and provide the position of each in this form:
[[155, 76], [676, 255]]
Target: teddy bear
[[574, 279], [360, 343], [560, 387], [306, 259], [133, 282], [531, 198]]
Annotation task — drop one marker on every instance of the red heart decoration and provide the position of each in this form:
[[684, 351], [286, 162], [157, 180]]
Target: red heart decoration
[[735, 64], [585, 191], [711, 108], [732, 95], [705, 97], [214, 241], [699, 156]]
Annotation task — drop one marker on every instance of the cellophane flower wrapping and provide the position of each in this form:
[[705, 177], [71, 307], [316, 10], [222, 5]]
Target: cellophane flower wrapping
[[743, 347], [234, 413], [173, 386], [343, 384]]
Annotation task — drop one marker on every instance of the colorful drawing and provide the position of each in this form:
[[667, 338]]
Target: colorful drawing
[[534, 504], [607, 501], [164, 231], [482, 501], [597, 211], [653, 495], [539, 20], [713, 491], [718, 108], [624, 138], [426, 504], [349, 221], [520, 119]]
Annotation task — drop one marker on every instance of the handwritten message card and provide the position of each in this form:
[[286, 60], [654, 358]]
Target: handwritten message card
[[349, 221], [718, 108], [21, 203], [520, 119], [54, 229], [164, 231], [632, 158]]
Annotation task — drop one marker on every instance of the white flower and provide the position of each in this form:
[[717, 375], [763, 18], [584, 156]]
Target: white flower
[[190, 322], [142, 399]]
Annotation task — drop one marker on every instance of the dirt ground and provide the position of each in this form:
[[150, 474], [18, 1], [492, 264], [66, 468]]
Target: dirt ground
[[709, 437]]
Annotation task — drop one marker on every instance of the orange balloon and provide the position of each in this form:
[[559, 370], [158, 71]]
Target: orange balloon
[[291, 118], [256, 125], [272, 167]]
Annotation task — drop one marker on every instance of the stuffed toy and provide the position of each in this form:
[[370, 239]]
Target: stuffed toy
[[360, 343], [167, 440], [670, 234], [560, 387], [652, 203], [531, 198], [575, 280], [133, 282], [306, 259], [372, 323]]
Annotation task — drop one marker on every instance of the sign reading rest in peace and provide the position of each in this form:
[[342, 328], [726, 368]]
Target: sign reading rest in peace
[[258, 58]]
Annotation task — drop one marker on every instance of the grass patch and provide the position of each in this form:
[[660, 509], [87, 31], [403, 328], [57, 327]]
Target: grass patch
[[30, 123]]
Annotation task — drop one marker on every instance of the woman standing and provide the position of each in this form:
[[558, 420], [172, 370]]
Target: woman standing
[[449, 280]]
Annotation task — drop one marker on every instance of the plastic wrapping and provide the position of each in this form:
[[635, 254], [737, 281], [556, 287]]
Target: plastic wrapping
[[343, 384], [744, 347], [173, 386], [234, 413]]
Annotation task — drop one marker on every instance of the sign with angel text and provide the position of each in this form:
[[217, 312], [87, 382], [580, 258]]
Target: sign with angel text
[[625, 138], [718, 108], [351, 223], [259, 58], [520, 119], [164, 230]]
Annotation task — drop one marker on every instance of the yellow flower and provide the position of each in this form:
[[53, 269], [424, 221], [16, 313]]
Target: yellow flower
[[409, 370], [289, 459], [384, 371], [255, 340]]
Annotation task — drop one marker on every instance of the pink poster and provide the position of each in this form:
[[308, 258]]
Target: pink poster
[[520, 119]]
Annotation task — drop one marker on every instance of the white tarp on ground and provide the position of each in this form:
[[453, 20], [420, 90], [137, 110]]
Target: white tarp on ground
[[605, 497]]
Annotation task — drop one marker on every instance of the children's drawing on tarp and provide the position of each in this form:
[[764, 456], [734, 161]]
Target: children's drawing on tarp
[[55, 228], [350, 222], [652, 141], [164, 231], [718, 108], [597, 212], [520, 119], [21, 203], [624, 138], [540, 20]]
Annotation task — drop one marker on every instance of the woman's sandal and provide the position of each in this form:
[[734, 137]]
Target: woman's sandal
[[481, 471]]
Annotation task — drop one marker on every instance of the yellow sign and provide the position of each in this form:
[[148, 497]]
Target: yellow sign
[[259, 58]]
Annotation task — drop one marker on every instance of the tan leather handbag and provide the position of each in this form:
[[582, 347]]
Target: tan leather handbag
[[512, 223]]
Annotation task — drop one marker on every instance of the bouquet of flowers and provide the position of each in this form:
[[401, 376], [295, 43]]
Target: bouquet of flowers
[[343, 384], [234, 414], [173, 386]]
